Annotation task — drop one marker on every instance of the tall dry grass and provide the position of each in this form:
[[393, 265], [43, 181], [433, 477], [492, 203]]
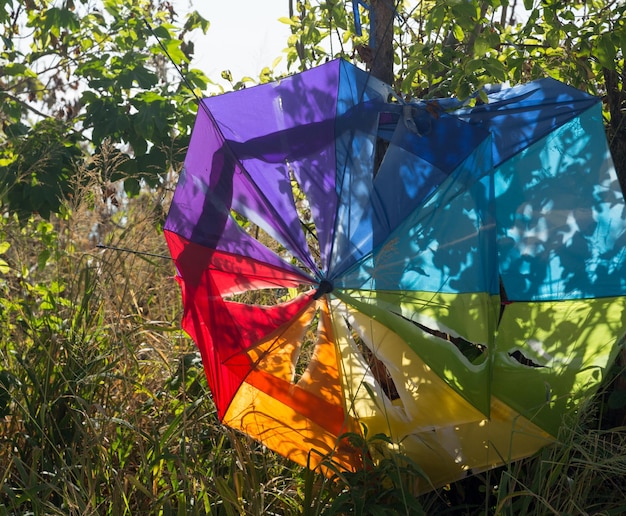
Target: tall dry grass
[[103, 403]]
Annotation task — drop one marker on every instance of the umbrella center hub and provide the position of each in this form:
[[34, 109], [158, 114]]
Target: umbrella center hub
[[325, 287]]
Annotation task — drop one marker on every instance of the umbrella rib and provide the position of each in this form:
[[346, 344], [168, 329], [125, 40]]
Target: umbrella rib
[[331, 273]]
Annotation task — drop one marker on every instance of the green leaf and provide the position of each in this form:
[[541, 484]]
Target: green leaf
[[132, 186], [196, 21], [4, 267], [466, 12], [162, 33], [4, 247], [17, 129], [473, 65], [152, 165], [528, 4], [42, 259], [463, 90], [197, 78], [495, 68], [106, 118], [56, 19], [606, 50], [173, 50], [112, 7], [288, 21], [138, 75], [17, 69], [435, 17], [553, 38], [458, 33], [493, 37], [481, 46]]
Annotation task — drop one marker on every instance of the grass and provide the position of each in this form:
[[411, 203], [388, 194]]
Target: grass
[[104, 407]]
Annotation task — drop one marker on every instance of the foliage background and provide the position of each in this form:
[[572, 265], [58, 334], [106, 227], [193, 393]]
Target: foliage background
[[103, 403]]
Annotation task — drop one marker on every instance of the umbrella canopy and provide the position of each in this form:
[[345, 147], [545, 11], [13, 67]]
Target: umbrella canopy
[[461, 297]]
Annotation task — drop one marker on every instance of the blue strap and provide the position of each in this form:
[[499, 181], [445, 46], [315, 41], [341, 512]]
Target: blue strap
[[357, 19], [357, 15]]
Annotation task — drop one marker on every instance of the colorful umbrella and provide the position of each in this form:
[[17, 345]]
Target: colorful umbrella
[[461, 297]]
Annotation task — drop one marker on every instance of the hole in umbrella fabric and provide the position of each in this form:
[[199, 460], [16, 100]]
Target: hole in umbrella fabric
[[259, 234], [376, 366], [305, 216], [522, 359], [306, 349], [474, 352]]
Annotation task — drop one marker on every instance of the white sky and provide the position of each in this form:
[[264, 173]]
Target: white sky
[[244, 36]]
